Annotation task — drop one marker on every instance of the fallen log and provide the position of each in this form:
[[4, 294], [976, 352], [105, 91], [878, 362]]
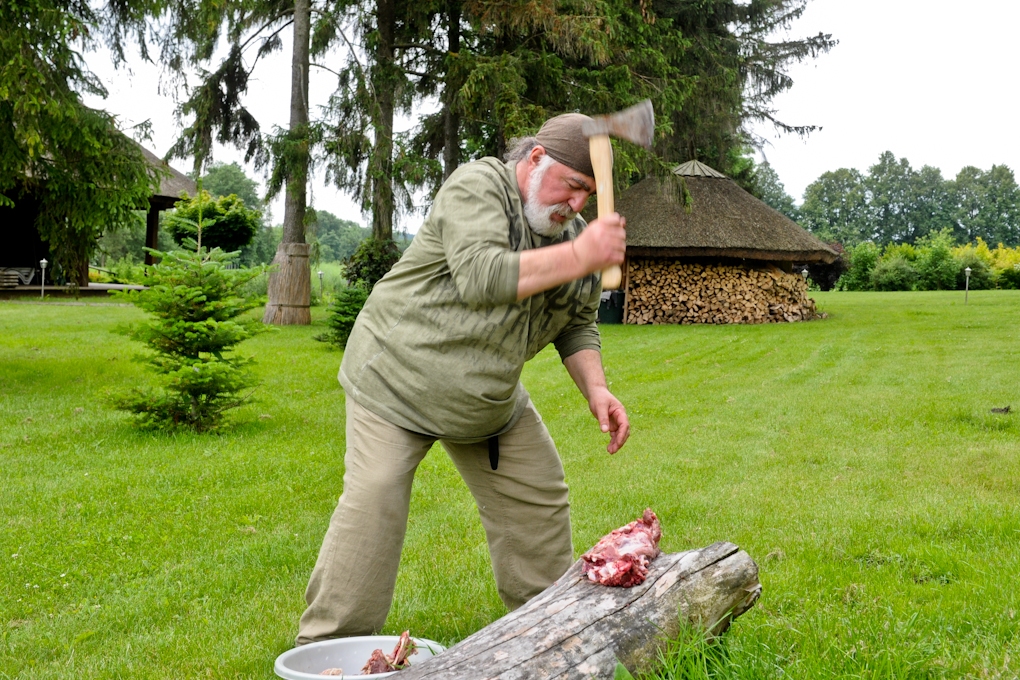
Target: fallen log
[[577, 629]]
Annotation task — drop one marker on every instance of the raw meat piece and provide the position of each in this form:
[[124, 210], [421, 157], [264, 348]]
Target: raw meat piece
[[397, 661], [376, 663], [332, 671], [622, 557]]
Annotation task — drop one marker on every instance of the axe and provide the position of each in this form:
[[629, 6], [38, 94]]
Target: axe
[[635, 124]]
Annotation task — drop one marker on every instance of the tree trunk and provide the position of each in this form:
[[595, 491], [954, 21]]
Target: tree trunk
[[451, 120], [289, 285], [503, 45], [384, 82], [291, 280], [578, 630]]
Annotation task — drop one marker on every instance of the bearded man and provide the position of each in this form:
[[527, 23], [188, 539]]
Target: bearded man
[[502, 267]]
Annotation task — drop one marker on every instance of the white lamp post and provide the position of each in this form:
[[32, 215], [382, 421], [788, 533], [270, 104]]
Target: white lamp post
[[320, 284], [42, 288], [966, 284]]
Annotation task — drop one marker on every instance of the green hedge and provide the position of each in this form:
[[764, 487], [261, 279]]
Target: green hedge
[[935, 262]]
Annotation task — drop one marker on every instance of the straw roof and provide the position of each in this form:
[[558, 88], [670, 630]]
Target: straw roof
[[723, 220], [172, 182]]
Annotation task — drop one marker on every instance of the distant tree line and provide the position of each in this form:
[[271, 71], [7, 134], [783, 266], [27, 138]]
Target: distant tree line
[[336, 239], [893, 203]]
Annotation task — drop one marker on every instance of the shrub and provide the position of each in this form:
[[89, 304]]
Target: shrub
[[902, 250], [982, 277], [863, 259], [1009, 278], [371, 261], [936, 266], [226, 222], [342, 315], [893, 273], [125, 270], [1006, 265], [195, 301], [1003, 258]]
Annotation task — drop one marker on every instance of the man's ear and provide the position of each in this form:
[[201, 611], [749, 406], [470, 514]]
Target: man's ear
[[536, 154]]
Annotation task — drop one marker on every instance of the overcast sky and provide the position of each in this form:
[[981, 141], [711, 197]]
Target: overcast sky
[[932, 81], [915, 77]]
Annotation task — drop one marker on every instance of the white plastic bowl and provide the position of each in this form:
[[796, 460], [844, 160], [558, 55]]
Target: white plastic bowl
[[308, 661]]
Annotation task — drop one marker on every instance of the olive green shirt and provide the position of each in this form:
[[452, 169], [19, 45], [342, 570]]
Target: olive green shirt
[[440, 345]]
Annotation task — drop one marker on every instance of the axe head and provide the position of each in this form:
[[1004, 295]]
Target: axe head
[[635, 124]]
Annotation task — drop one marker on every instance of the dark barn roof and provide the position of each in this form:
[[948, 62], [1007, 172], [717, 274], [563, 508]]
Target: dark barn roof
[[172, 182], [723, 220]]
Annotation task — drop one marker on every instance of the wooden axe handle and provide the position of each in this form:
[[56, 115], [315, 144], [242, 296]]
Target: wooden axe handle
[[602, 165]]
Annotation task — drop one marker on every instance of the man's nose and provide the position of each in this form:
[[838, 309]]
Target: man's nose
[[578, 201]]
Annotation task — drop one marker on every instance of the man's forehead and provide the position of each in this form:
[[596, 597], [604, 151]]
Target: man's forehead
[[566, 172]]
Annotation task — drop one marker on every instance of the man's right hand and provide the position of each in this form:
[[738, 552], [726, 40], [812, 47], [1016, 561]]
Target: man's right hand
[[602, 244]]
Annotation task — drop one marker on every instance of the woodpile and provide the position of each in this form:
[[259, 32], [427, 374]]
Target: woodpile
[[663, 291]]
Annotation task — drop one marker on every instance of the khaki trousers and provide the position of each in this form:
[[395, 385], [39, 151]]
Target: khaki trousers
[[523, 507]]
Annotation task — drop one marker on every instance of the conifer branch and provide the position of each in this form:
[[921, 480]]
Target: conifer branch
[[269, 23]]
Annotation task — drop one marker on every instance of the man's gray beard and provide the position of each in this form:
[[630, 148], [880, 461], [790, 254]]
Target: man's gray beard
[[539, 215]]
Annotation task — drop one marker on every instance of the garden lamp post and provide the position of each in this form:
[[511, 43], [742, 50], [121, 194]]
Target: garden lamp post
[[966, 284], [42, 288], [320, 284]]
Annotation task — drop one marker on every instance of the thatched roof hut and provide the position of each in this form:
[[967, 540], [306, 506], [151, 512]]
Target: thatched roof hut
[[722, 220], [720, 256], [23, 247], [172, 183]]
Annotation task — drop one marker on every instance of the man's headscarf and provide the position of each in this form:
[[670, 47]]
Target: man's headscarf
[[564, 142]]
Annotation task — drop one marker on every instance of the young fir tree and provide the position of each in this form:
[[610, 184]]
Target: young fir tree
[[196, 304]]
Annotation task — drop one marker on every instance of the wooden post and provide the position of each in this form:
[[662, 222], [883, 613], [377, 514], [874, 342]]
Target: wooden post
[[626, 286], [151, 231], [578, 630]]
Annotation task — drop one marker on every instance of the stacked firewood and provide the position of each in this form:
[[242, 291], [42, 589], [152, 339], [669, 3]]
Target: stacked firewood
[[666, 291]]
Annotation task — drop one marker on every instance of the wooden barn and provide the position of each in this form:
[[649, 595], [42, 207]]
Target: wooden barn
[[725, 257], [23, 248]]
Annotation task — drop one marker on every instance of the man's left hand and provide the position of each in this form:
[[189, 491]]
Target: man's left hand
[[611, 415]]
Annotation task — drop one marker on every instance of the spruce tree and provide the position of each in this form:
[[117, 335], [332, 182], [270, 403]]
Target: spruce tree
[[196, 304]]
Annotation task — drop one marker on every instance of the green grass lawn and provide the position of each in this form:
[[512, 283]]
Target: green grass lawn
[[855, 459]]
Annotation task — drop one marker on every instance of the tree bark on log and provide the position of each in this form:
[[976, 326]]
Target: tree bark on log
[[578, 630], [290, 287]]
